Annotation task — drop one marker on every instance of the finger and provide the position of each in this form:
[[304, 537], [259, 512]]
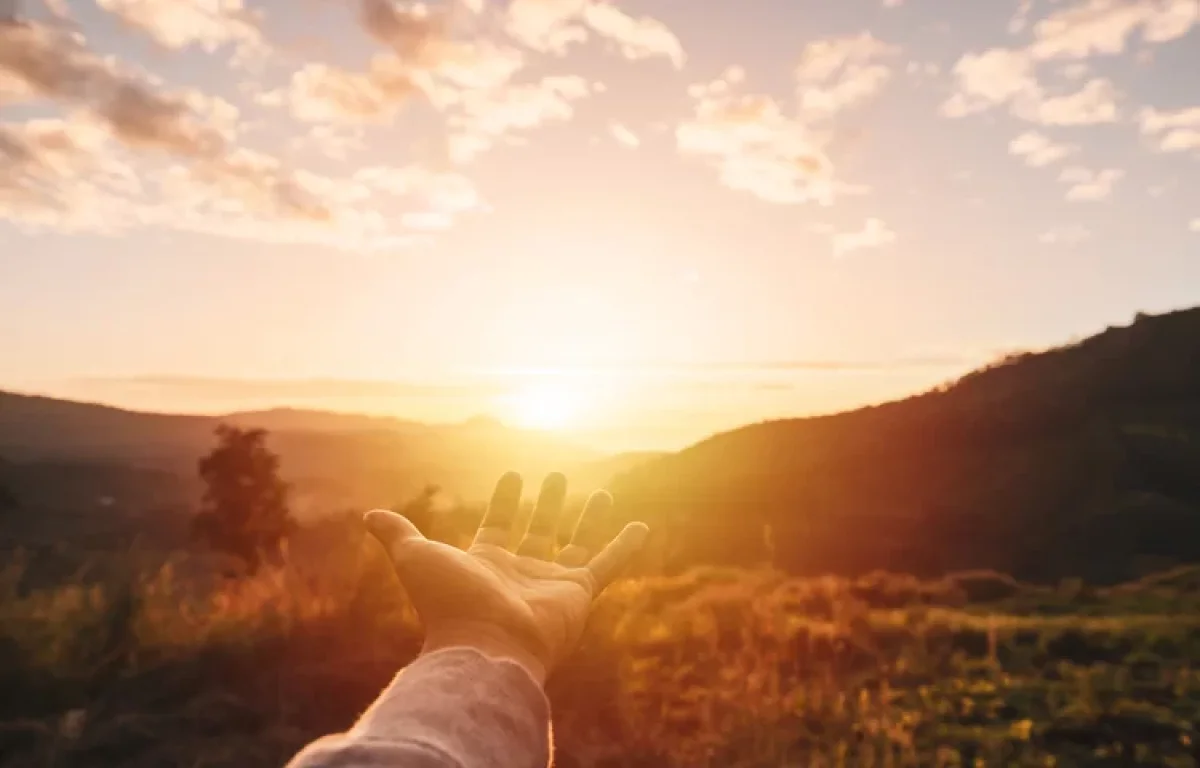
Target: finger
[[496, 528], [393, 531], [539, 539], [608, 564], [589, 531]]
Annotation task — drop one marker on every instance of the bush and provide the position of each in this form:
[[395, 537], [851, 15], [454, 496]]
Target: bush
[[984, 586]]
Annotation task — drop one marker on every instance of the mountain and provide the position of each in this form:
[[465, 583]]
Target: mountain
[[1078, 461], [62, 454]]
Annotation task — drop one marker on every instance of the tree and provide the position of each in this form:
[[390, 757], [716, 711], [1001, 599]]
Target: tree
[[8, 499], [244, 511], [420, 509]]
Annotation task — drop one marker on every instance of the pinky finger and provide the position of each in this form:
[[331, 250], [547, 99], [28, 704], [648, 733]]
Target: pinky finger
[[612, 559]]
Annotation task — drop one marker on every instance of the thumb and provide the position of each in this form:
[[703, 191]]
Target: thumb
[[393, 531]]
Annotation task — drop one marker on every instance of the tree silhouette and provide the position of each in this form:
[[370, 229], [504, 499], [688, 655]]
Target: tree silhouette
[[8, 499], [244, 511], [420, 509]]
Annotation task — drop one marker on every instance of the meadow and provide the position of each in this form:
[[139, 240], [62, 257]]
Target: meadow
[[169, 665]]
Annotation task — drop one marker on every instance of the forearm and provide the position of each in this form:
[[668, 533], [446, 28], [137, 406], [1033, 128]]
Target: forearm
[[453, 707]]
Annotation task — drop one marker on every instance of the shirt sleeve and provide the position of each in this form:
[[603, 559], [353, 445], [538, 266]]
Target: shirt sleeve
[[453, 708]]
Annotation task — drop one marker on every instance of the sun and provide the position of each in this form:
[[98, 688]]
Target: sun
[[547, 405]]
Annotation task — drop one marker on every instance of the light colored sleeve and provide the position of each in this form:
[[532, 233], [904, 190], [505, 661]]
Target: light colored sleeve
[[453, 708]]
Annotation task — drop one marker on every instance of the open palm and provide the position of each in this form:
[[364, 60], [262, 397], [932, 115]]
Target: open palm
[[529, 605]]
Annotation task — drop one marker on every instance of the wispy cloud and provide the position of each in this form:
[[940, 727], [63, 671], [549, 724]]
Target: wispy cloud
[[1104, 27], [1086, 185], [554, 25], [208, 24], [1067, 235], [842, 72], [1082, 30], [218, 388], [1173, 131], [131, 150], [624, 135], [754, 145], [873, 234], [1038, 150], [487, 383]]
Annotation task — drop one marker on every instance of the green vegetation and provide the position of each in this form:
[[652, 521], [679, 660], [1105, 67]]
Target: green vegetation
[[1082, 461], [244, 511], [713, 667]]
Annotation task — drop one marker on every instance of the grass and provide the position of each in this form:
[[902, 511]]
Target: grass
[[168, 666]]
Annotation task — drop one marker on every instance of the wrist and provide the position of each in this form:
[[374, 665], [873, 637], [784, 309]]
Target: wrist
[[490, 640]]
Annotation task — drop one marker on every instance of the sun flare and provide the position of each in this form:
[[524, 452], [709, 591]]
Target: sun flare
[[547, 406]]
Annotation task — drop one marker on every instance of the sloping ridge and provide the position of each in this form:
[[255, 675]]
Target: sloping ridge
[[333, 459], [1043, 464]]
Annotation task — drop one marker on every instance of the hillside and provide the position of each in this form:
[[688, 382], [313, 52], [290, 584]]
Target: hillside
[[1078, 461], [62, 460]]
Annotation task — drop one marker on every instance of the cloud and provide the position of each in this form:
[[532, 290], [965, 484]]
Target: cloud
[[624, 136], [58, 174], [837, 73], [1038, 150], [991, 78], [874, 234], [178, 24], [426, 48], [468, 79], [1177, 131], [1068, 235], [547, 25], [321, 93], [1095, 102], [637, 38], [425, 56], [57, 65], [1006, 76], [442, 193], [1194, 224], [754, 146], [1020, 19], [1087, 185], [554, 25], [133, 154], [1079, 31], [1104, 27], [73, 175], [216, 388], [485, 117]]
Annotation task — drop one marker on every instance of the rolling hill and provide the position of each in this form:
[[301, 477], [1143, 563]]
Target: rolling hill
[[1078, 461], [68, 466]]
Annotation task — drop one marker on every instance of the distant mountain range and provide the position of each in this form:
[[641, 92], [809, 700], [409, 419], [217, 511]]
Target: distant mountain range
[[62, 455], [1079, 461]]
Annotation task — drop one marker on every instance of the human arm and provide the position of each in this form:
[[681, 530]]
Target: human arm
[[496, 623]]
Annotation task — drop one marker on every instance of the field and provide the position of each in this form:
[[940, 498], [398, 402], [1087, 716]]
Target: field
[[163, 666]]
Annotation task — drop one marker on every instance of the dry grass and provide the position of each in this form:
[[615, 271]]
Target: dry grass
[[715, 667]]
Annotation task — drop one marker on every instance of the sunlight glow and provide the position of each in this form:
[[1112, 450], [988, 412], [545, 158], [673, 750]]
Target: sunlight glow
[[548, 405]]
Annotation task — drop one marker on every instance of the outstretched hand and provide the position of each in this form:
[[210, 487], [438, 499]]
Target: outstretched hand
[[523, 606]]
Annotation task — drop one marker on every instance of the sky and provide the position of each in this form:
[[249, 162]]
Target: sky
[[638, 221]]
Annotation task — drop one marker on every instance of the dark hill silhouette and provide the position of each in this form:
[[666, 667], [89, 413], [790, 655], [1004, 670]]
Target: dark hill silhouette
[[1082, 460], [335, 461]]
